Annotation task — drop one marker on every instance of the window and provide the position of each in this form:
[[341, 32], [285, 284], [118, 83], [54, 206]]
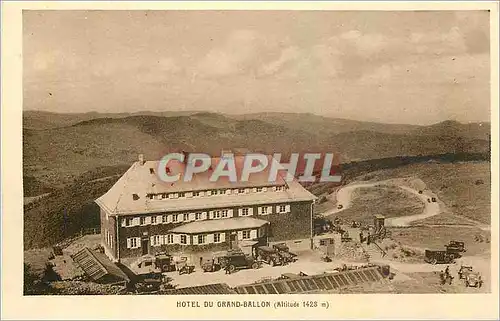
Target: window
[[241, 190], [279, 188], [175, 218], [133, 242], [183, 239], [173, 195], [224, 213], [215, 192], [197, 216], [202, 239], [142, 220], [196, 194], [164, 218], [282, 209], [217, 214], [182, 194], [185, 217], [322, 242], [155, 240], [227, 191], [170, 239], [164, 195], [259, 189], [153, 220], [246, 234], [129, 222], [263, 210], [244, 212], [148, 263], [217, 238]]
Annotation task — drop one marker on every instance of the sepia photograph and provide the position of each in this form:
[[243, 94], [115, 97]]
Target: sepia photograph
[[174, 153]]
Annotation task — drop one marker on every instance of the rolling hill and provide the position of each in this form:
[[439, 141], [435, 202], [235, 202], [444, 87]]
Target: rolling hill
[[54, 157]]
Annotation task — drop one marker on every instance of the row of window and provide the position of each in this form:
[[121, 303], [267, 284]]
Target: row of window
[[183, 239], [214, 192], [198, 216]]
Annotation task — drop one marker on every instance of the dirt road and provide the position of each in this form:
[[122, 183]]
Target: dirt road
[[344, 197]]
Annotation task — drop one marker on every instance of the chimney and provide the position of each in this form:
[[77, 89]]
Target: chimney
[[141, 159]]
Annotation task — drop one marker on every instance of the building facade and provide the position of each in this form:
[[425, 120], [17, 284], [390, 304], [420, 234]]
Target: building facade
[[141, 215]]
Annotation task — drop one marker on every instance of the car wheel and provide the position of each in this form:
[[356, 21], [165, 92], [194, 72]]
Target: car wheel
[[434, 262], [255, 265], [232, 268]]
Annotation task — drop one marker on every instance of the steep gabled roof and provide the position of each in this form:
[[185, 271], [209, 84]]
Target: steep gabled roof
[[128, 194]]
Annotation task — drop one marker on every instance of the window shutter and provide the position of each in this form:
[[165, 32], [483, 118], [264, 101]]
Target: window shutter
[[189, 194], [274, 188], [177, 239], [253, 234], [230, 213], [211, 213], [240, 210], [138, 241], [148, 220], [152, 240], [124, 222], [264, 189], [180, 217], [269, 210], [195, 239], [287, 209], [158, 219], [240, 235], [277, 209], [136, 221], [202, 193], [169, 218], [129, 245], [254, 190], [228, 192], [204, 215], [210, 238], [192, 216], [188, 239], [250, 211], [223, 237]]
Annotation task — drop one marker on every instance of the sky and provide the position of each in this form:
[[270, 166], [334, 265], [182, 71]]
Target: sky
[[392, 67]]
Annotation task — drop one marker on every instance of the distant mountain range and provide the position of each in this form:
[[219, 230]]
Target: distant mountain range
[[60, 147]]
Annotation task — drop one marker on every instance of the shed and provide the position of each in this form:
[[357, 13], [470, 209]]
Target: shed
[[98, 268]]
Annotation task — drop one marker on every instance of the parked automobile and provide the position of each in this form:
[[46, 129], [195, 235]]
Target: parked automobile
[[464, 271], [456, 246], [269, 255], [238, 261], [284, 252], [438, 257], [473, 279]]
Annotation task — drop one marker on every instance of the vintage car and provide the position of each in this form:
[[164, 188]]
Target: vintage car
[[284, 252], [456, 246], [238, 261], [473, 279], [438, 257], [464, 271], [269, 255]]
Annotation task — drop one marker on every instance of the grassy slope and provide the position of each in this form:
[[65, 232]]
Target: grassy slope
[[55, 157], [389, 201], [455, 184]]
